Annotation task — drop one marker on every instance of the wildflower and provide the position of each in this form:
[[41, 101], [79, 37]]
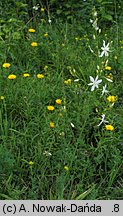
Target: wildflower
[[36, 7], [104, 90], [108, 68], [72, 125], [52, 125], [107, 78], [40, 76], [112, 98], [109, 127], [31, 30], [58, 101], [49, 20], [30, 163], [105, 50], [76, 80], [42, 9], [94, 83], [66, 168], [34, 44], [12, 77], [26, 75], [47, 153], [102, 120], [46, 34], [50, 108], [67, 82], [6, 65]]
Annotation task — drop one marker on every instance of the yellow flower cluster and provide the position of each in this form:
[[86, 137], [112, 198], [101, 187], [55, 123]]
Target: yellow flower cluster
[[40, 76], [6, 65], [12, 77], [58, 101], [52, 125], [34, 44], [26, 75], [46, 34], [112, 98], [109, 127], [31, 30], [108, 68], [50, 108], [67, 82]]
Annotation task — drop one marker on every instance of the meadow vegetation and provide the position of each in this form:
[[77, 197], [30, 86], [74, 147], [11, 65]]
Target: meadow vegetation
[[61, 100]]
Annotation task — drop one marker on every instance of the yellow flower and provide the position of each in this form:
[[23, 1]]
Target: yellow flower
[[50, 108], [42, 9], [58, 101], [46, 34], [30, 163], [12, 77], [40, 76], [34, 44], [6, 65], [67, 82], [52, 125], [31, 30], [109, 127], [108, 68], [2, 97], [66, 168], [26, 75], [112, 98]]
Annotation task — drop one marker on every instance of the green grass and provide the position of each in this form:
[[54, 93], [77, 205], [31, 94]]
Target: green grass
[[93, 154]]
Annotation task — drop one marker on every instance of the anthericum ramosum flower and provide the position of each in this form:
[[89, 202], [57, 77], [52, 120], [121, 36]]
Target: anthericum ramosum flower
[[2, 97], [31, 30], [104, 90], [52, 125], [30, 163], [112, 98], [34, 44], [102, 120], [94, 83], [26, 75], [58, 101], [46, 153], [105, 50], [12, 77], [108, 68], [109, 127], [6, 65], [40, 76], [108, 79], [50, 108]]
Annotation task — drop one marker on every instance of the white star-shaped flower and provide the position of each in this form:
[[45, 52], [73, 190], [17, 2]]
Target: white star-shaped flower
[[102, 120], [94, 83], [105, 50], [104, 90]]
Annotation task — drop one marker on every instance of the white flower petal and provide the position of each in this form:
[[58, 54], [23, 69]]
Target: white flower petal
[[91, 79], [92, 88]]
